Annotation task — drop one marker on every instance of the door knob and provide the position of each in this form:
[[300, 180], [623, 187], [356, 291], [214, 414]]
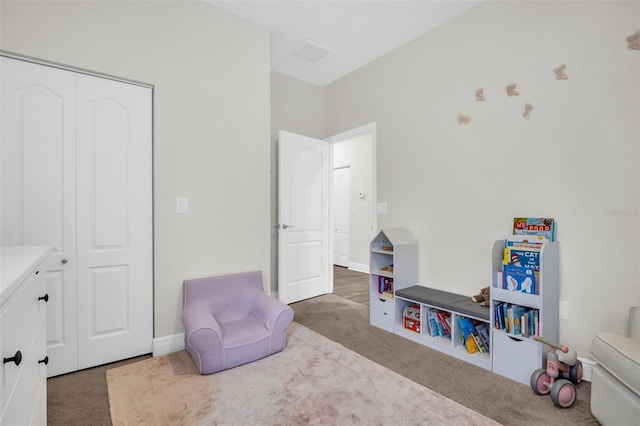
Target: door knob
[[44, 360], [45, 297], [63, 261], [17, 358]]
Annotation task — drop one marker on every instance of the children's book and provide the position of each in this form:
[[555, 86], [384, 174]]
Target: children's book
[[483, 332], [434, 326], [516, 317], [527, 258], [518, 278], [535, 226], [467, 328]]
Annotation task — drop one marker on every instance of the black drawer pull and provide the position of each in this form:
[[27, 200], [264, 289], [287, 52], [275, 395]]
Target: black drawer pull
[[17, 358], [44, 361], [45, 297], [37, 272]]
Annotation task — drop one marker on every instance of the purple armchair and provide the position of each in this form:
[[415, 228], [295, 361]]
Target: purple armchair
[[229, 320]]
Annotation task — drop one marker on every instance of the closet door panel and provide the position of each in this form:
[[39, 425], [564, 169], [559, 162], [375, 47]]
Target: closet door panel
[[114, 221], [38, 187]]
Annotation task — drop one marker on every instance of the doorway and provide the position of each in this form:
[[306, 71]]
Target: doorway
[[354, 156], [355, 149]]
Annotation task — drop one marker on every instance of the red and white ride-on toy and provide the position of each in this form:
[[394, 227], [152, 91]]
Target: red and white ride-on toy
[[563, 372]]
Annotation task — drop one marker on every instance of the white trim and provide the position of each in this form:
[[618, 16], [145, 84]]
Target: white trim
[[587, 368], [78, 70], [359, 267], [168, 344]]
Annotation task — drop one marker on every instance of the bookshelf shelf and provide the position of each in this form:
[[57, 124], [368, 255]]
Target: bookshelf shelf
[[516, 355]]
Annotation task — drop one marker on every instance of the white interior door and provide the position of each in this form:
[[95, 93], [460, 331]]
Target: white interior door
[[303, 238], [114, 221], [38, 188], [76, 175], [341, 209]]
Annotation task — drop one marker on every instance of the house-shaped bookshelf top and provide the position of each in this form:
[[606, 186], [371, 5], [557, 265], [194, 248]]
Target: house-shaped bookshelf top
[[390, 238], [396, 248]]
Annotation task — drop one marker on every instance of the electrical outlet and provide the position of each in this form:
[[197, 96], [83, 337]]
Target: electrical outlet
[[382, 208], [563, 311]]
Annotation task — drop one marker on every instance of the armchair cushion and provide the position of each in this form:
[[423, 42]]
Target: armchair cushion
[[229, 320], [620, 356], [615, 383]]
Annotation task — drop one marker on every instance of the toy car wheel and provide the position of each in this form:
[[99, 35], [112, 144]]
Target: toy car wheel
[[575, 373], [563, 393], [539, 380]]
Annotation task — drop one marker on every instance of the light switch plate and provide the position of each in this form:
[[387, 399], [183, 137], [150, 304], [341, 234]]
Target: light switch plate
[[382, 207], [182, 205], [563, 310]]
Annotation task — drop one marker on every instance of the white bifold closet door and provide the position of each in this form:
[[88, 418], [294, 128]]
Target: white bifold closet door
[[76, 175]]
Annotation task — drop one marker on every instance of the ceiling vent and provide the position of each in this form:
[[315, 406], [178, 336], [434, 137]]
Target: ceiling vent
[[311, 51]]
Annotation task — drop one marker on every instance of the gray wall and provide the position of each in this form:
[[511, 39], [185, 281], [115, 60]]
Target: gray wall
[[458, 187], [211, 122]]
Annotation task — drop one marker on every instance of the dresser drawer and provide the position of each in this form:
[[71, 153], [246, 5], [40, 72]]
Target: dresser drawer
[[381, 313], [19, 407], [21, 320]]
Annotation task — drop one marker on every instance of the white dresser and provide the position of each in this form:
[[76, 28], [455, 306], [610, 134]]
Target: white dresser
[[23, 307]]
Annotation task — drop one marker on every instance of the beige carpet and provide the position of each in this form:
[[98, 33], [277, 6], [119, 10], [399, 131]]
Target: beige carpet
[[313, 381]]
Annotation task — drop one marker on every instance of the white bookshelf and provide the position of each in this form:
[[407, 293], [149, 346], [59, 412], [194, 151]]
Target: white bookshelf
[[516, 356], [394, 257]]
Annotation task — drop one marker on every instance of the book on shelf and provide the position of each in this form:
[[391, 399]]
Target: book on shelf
[[385, 285], [525, 257], [411, 318], [434, 330], [519, 278], [467, 328], [444, 319], [483, 331], [471, 337], [534, 227], [515, 316], [516, 320], [439, 322]]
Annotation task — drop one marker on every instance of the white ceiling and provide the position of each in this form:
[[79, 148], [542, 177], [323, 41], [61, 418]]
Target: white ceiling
[[357, 31]]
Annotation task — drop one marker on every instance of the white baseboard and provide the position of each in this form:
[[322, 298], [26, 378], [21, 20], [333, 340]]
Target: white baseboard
[[168, 344], [359, 267], [587, 368]]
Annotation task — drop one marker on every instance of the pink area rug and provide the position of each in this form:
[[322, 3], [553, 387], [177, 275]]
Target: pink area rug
[[313, 381]]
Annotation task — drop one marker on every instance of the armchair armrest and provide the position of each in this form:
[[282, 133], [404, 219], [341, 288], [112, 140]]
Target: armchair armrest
[[634, 322], [273, 314], [201, 330]]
